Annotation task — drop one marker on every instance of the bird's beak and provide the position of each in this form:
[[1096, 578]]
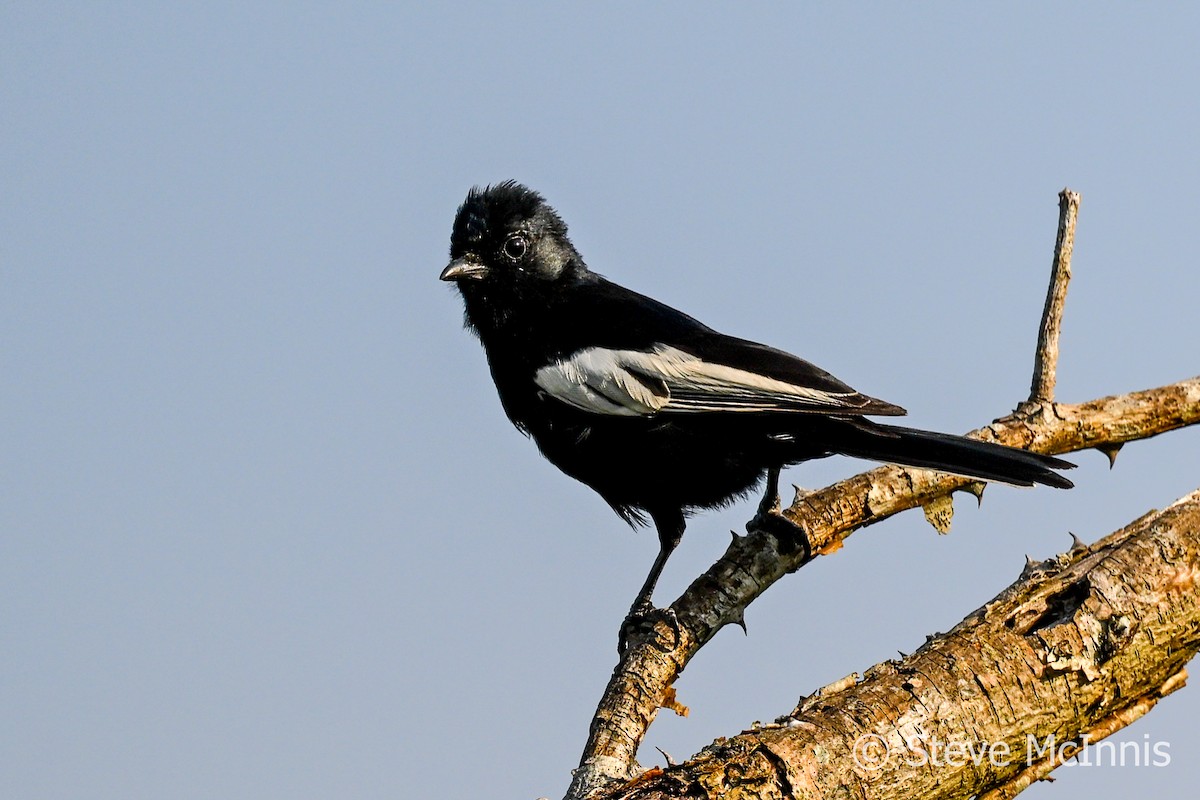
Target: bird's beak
[[464, 269]]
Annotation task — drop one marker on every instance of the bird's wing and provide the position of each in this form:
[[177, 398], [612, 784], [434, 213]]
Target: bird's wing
[[731, 375]]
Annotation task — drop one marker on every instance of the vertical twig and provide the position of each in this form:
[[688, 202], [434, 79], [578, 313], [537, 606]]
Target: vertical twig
[[1045, 360]]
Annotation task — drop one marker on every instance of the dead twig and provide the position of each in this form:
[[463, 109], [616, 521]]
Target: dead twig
[[1045, 359]]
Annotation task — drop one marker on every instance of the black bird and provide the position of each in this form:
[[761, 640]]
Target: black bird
[[658, 413]]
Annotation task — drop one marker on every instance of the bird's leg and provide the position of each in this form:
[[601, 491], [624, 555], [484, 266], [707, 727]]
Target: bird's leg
[[770, 499], [642, 614], [643, 601], [771, 520]]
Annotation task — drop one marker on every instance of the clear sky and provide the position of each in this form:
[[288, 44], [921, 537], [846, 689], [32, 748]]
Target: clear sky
[[264, 530]]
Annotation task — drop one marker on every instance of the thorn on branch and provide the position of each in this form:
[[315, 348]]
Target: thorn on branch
[[1111, 450], [671, 762]]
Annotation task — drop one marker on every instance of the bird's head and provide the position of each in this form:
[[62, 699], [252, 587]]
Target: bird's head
[[507, 238]]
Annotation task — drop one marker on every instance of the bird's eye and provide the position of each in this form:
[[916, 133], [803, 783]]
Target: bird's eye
[[516, 247]]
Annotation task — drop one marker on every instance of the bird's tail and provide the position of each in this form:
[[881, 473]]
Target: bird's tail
[[958, 455]]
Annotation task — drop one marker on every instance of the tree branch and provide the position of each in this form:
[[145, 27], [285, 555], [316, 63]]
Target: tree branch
[[1077, 648], [823, 520], [642, 681]]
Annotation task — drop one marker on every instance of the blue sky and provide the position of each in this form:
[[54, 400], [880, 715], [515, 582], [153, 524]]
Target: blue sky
[[266, 530]]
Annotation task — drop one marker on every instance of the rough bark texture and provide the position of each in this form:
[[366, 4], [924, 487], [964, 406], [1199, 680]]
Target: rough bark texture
[[1079, 646], [820, 522]]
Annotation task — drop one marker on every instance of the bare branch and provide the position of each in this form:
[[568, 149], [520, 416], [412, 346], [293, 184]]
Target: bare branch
[[1076, 649], [1045, 360], [824, 519], [820, 521]]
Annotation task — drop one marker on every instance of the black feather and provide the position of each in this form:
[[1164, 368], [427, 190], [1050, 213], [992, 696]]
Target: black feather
[[959, 455]]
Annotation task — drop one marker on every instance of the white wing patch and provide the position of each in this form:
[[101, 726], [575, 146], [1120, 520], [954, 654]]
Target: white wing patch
[[598, 380], [666, 379]]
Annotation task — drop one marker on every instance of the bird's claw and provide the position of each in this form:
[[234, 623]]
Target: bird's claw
[[642, 623], [783, 529]]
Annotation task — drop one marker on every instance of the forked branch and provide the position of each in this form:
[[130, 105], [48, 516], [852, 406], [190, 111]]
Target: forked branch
[[642, 681]]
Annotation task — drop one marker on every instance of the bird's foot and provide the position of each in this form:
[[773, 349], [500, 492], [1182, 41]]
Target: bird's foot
[[645, 622], [791, 537]]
